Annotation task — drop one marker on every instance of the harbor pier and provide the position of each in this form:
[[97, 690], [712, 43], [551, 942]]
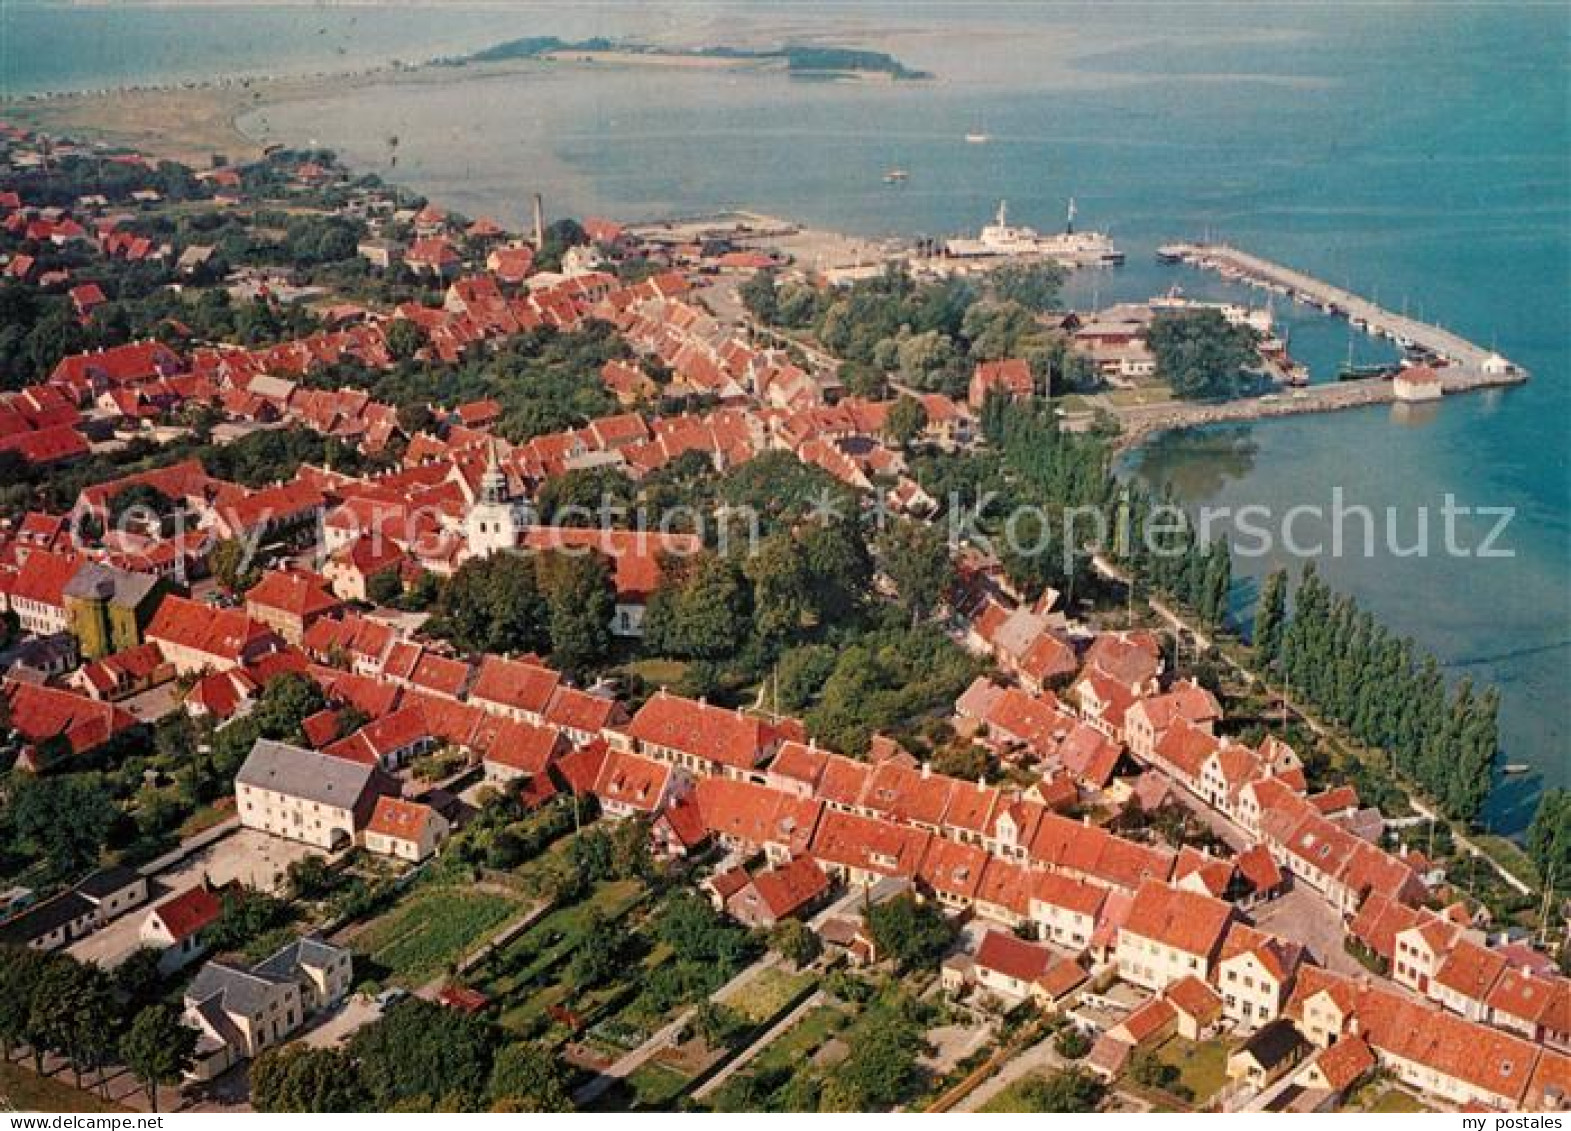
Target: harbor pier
[[1462, 365]]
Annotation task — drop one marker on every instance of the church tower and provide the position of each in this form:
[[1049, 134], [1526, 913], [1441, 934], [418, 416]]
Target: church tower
[[493, 522]]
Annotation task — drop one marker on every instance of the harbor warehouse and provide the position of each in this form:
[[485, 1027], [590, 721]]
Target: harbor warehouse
[[307, 796]]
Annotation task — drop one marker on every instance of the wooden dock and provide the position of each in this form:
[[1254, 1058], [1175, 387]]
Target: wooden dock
[[1465, 365]]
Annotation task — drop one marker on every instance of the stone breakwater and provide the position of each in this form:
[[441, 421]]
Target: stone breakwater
[[1141, 422]]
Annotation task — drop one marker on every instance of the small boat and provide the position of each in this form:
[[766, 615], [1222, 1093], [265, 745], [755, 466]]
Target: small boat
[[895, 176], [1516, 769], [977, 137]]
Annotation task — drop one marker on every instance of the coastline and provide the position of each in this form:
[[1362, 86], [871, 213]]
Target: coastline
[[189, 121]]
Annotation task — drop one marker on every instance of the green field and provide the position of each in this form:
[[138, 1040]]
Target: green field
[[24, 1090], [432, 929]]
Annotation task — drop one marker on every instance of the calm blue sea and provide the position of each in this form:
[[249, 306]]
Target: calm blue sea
[[1418, 154]]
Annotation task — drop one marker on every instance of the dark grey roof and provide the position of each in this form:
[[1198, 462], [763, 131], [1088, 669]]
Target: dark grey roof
[[44, 918], [1274, 1043], [105, 583], [307, 774], [307, 951], [234, 989], [107, 881]]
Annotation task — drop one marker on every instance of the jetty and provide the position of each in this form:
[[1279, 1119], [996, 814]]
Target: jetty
[[1461, 364]]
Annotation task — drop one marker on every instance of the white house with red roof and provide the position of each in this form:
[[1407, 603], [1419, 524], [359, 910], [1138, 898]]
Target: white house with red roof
[[705, 740], [405, 830], [290, 601], [175, 926], [1170, 934], [195, 637]]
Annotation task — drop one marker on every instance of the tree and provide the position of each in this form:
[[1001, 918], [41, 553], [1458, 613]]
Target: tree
[[915, 555], [1071, 1043], [527, 1078], [94, 1016], [246, 915], [758, 297], [65, 820], [697, 933], [581, 599], [1200, 354], [384, 588], [1271, 620], [1034, 286], [913, 934], [795, 941], [882, 1070], [421, 1053], [598, 957], [494, 604], [701, 609], [782, 588], [310, 877], [405, 338], [1149, 1070], [20, 971], [158, 1048], [1549, 838], [301, 1079], [1074, 1090], [287, 701], [231, 567], [905, 421]]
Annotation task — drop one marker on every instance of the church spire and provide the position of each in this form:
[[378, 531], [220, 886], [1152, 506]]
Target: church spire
[[493, 484]]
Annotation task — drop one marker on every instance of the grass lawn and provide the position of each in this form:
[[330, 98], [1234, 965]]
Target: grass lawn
[[1201, 1068], [417, 939], [657, 672], [763, 996], [798, 1043], [1124, 398], [23, 1090], [1509, 856], [208, 816], [655, 1085], [1012, 1099], [1395, 1100]]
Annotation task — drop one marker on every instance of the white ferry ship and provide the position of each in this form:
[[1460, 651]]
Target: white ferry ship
[[1069, 247]]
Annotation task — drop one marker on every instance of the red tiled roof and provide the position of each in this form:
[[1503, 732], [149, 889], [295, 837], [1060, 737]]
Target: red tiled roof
[[515, 684], [1193, 997], [1183, 920], [399, 819], [222, 633], [868, 844], [1013, 957], [295, 592], [524, 747], [789, 889], [187, 913], [627, 779], [713, 734]]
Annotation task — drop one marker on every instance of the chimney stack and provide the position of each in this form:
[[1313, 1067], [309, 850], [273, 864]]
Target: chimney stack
[[539, 222]]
